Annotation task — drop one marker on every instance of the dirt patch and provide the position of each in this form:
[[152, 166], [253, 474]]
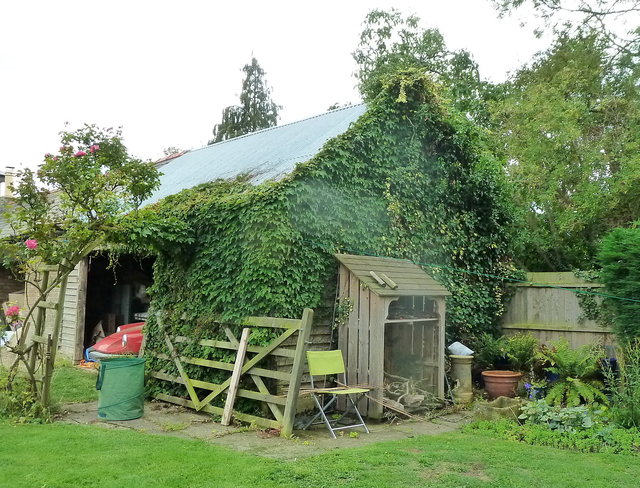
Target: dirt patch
[[166, 419], [442, 469], [477, 471]]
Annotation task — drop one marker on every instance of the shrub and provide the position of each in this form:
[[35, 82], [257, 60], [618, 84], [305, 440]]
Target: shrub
[[489, 350], [620, 259], [517, 351], [521, 352], [19, 403], [625, 387], [576, 369], [609, 439], [567, 419]]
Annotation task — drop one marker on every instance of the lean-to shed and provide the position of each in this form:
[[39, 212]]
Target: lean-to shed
[[395, 325]]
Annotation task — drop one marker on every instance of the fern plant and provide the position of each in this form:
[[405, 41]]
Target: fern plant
[[576, 369]]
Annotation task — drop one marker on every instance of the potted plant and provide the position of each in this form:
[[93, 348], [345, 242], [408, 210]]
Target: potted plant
[[518, 351]]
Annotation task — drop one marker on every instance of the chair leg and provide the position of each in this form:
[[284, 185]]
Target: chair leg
[[322, 413], [358, 414]]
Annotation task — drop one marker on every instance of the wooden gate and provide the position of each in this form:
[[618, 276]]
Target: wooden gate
[[282, 408]]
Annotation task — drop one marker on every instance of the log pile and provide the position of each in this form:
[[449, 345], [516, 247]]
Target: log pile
[[408, 395]]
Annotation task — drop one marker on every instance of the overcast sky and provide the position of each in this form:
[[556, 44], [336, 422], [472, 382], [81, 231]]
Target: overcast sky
[[164, 70]]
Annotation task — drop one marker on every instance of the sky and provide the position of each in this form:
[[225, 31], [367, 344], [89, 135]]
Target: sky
[[164, 70]]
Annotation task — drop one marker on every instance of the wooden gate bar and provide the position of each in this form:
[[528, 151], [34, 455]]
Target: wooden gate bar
[[235, 377], [283, 417]]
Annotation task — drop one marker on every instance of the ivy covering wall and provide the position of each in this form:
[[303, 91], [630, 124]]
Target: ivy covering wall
[[410, 179]]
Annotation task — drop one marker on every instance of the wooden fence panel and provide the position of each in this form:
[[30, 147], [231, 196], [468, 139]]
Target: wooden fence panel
[[549, 308]]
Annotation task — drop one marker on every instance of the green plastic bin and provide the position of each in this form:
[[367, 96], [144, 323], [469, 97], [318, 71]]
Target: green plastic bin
[[121, 386]]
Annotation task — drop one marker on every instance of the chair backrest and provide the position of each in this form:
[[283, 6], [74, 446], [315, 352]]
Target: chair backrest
[[325, 362]]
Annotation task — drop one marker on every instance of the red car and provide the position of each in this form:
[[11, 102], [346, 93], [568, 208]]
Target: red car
[[126, 340]]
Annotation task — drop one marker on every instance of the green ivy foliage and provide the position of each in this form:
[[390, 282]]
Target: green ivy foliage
[[410, 179]]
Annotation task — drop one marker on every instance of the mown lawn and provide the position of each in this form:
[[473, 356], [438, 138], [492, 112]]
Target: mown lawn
[[72, 384], [57, 456]]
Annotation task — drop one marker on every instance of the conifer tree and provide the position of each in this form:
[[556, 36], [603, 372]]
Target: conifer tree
[[256, 110]]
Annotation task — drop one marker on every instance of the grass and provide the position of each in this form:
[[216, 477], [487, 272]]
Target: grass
[[58, 455], [71, 384]]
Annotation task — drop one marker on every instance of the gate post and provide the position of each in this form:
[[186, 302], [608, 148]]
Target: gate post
[[296, 373]]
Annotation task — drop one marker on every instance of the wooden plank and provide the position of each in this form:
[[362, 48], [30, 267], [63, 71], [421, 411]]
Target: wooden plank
[[559, 328], [296, 373], [210, 363], [176, 360], [39, 339], [273, 322], [205, 385], [343, 294], [351, 354], [378, 307], [49, 268], [250, 364], [279, 351], [48, 305], [235, 377], [363, 343], [442, 311], [262, 388], [244, 417], [430, 292]]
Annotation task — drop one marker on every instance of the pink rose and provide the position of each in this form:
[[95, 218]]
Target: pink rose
[[31, 243], [94, 148], [80, 153], [12, 311]]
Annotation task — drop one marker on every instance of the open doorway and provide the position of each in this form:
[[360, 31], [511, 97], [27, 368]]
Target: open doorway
[[115, 295]]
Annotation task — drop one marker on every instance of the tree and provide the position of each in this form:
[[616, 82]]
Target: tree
[[75, 202], [568, 126], [390, 43], [616, 21], [256, 110], [620, 259]]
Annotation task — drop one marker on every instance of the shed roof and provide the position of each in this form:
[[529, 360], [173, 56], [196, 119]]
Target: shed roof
[[410, 278], [268, 154]]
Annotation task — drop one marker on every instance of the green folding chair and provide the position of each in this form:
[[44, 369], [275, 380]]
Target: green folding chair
[[325, 363]]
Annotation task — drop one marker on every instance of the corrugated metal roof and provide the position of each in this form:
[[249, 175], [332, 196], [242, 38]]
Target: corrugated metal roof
[[268, 154], [411, 279]]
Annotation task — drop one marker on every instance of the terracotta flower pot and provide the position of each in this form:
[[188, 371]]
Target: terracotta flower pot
[[500, 383]]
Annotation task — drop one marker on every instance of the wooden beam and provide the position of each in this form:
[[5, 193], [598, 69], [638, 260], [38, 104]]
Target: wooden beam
[[273, 322], [233, 346], [48, 268], [296, 373], [48, 305], [559, 328], [235, 377], [205, 385], [244, 417], [209, 363]]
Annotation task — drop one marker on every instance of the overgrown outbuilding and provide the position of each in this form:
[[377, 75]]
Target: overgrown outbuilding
[[407, 177]]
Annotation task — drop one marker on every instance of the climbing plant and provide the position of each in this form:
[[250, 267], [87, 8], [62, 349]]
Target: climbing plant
[[410, 179]]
